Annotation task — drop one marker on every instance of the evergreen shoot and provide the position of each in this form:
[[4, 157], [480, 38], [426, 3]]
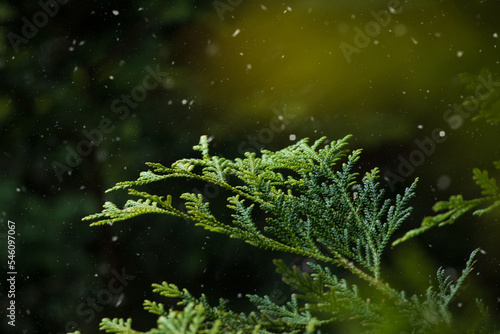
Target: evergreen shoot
[[305, 200]]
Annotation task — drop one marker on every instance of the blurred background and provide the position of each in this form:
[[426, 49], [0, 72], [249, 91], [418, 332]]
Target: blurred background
[[145, 79]]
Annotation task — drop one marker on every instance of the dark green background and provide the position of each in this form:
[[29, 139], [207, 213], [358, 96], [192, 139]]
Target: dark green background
[[227, 75]]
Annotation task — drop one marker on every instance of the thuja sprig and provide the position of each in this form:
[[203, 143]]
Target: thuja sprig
[[315, 206]]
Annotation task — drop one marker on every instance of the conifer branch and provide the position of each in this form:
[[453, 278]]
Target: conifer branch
[[312, 209], [298, 200], [456, 206]]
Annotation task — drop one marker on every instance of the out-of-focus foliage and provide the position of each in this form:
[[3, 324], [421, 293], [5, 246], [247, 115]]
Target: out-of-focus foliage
[[281, 76], [487, 106], [456, 206]]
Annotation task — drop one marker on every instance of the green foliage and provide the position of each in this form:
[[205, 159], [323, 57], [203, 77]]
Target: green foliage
[[190, 320], [321, 293], [488, 105], [311, 209], [301, 200]]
